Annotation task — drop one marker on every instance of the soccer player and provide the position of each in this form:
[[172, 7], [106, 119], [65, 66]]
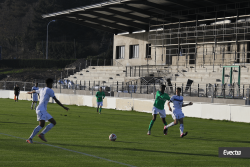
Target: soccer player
[[35, 96], [177, 114], [41, 111], [100, 95], [16, 92], [159, 103]]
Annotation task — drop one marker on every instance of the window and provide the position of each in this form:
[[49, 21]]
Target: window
[[134, 51], [120, 52], [148, 50]]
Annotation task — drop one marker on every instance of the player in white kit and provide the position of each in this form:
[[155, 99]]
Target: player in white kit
[[35, 96], [41, 111], [177, 114]]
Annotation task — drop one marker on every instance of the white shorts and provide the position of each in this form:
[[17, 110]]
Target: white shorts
[[99, 103], [178, 115], [35, 98], [43, 115], [162, 113]]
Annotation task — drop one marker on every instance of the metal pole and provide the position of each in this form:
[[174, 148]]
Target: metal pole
[[126, 71], [75, 47], [139, 71], [198, 90], [61, 84], [212, 100], [247, 96], [206, 90], [117, 86], [190, 90], [48, 38]]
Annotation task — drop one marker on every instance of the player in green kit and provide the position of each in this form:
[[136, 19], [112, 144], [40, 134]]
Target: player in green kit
[[100, 95], [160, 100]]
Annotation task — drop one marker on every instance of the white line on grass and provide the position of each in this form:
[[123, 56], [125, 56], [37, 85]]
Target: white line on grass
[[74, 151]]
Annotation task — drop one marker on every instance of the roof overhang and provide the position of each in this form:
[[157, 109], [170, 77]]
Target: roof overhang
[[121, 16]]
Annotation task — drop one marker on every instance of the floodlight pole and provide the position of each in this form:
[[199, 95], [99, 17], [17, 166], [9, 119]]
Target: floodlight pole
[[47, 42]]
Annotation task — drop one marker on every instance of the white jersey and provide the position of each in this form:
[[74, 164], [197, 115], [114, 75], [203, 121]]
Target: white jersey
[[35, 95], [45, 94], [177, 101]]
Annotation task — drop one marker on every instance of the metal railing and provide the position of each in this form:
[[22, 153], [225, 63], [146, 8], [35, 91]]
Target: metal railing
[[225, 91], [200, 90]]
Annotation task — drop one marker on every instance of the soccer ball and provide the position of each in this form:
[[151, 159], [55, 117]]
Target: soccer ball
[[112, 137]]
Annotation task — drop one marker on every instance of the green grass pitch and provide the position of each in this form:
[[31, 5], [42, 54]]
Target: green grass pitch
[[86, 132]]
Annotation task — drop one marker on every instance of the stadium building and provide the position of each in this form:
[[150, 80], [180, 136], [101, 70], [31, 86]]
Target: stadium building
[[205, 41]]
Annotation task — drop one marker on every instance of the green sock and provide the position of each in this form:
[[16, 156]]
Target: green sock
[[100, 109], [165, 123], [151, 124]]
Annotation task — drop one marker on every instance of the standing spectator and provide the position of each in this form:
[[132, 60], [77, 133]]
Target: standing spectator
[[16, 92]]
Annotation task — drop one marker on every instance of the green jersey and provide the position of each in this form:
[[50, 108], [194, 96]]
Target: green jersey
[[160, 100], [99, 95]]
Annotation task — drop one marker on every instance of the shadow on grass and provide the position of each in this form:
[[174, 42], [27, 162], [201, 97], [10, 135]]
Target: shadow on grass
[[135, 149], [14, 122], [215, 140], [127, 142]]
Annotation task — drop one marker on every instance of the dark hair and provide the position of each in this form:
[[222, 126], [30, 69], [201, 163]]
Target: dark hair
[[36, 83], [163, 86], [100, 88], [179, 89], [49, 80]]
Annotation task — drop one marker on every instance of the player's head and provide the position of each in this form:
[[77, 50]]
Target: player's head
[[178, 91], [16, 85], [49, 82], [100, 89], [36, 85], [162, 88]]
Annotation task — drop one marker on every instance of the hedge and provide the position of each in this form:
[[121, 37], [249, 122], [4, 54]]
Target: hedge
[[35, 63]]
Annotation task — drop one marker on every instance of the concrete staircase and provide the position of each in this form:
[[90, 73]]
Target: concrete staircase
[[110, 75], [207, 75], [99, 74]]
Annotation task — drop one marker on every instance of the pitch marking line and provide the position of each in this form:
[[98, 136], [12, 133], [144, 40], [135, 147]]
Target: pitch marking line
[[74, 151]]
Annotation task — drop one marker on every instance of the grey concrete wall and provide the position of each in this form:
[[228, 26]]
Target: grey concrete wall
[[80, 92], [157, 58], [186, 98], [142, 40]]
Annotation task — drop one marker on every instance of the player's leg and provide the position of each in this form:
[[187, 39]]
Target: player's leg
[[17, 97], [165, 131], [182, 128], [36, 130], [35, 104], [49, 126], [151, 123], [32, 105], [100, 109], [46, 117], [97, 107]]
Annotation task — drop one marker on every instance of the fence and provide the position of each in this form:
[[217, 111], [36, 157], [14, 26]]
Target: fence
[[200, 90]]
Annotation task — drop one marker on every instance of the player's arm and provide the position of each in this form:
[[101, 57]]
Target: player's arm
[[60, 104], [189, 104], [31, 92], [170, 109]]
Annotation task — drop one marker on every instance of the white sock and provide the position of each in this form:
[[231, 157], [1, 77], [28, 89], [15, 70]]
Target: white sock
[[169, 125], [36, 130], [32, 104], [181, 128], [48, 127], [35, 105]]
